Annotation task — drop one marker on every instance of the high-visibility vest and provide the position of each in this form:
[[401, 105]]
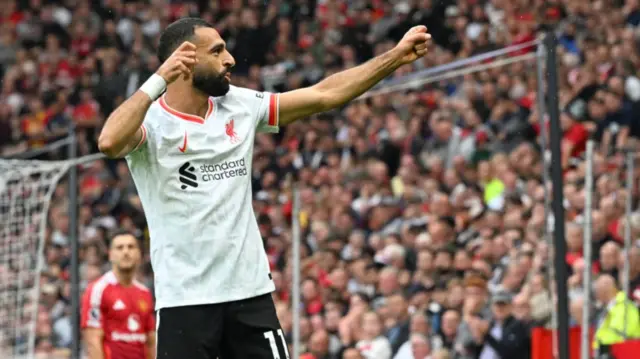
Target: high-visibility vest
[[612, 328]]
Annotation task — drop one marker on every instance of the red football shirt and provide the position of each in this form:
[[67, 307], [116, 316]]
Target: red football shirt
[[577, 135], [125, 315]]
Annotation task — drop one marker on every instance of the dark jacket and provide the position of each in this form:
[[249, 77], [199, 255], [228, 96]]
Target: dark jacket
[[515, 341], [398, 335]]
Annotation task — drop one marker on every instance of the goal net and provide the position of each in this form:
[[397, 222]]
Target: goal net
[[26, 188]]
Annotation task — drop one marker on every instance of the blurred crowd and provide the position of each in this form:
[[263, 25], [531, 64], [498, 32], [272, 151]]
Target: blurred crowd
[[422, 212]]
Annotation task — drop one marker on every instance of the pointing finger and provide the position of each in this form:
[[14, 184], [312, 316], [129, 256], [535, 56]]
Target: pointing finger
[[189, 54], [418, 29], [187, 46]]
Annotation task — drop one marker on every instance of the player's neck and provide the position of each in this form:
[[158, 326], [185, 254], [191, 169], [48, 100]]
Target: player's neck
[[125, 278], [187, 101]]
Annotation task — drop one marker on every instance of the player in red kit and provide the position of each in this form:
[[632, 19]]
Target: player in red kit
[[117, 311]]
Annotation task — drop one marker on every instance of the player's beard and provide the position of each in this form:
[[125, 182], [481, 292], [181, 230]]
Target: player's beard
[[126, 269], [126, 265], [210, 82]]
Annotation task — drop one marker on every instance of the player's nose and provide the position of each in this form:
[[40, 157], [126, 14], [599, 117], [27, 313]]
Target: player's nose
[[229, 62]]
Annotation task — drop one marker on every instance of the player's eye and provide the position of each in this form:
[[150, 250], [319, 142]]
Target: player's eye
[[217, 50]]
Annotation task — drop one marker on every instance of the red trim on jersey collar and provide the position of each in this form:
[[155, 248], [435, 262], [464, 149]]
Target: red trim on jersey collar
[[186, 116]]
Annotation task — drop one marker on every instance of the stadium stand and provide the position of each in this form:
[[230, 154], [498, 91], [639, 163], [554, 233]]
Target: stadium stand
[[419, 209]]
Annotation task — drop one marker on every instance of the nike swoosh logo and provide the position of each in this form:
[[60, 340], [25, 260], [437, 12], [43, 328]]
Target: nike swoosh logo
[[184, 143]]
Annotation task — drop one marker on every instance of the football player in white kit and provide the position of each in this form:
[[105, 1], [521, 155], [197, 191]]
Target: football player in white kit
[[188, 136]]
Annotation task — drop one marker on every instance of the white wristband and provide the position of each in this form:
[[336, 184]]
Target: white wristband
[[154, 86]]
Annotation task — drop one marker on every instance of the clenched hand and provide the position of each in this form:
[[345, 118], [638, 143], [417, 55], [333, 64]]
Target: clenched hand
[[181, 62], [414, 44]]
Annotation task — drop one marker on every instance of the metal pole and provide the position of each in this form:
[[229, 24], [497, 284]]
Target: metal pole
[[74, 246], [295, 291], [546, 181], [544, 133], [630, 159], [585, 347], [560, 250]]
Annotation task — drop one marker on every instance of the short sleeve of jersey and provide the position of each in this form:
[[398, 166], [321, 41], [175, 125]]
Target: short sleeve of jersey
[[267, 116], [139, 153], [91, 311]]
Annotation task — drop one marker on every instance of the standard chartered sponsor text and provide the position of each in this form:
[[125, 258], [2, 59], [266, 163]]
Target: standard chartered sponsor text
[[129, 337], [224, 170]]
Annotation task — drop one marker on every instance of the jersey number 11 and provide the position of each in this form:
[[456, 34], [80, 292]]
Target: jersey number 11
[[274, 346]]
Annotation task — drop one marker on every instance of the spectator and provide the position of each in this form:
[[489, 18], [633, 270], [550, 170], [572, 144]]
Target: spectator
[[373, 344], [576, 312], [419, 324], [522, 309], [441, 354], [398, 331], [420, 347], [446, 336], [634, 273], [319, 345], [609, 255], [505, 335], [428, 201], [352, 353], [617, 315]]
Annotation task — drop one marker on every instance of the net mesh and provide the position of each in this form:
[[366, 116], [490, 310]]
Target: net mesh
[[26, 188]]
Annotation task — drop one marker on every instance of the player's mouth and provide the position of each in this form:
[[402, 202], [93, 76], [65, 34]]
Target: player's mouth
[[227, 76]]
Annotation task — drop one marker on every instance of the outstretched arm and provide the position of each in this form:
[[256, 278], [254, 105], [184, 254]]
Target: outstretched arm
[[344, 86]]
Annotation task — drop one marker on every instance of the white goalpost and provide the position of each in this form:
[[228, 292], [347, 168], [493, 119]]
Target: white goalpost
[[26, 189]]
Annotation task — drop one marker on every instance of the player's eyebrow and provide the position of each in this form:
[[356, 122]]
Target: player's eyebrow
[[217, 47]]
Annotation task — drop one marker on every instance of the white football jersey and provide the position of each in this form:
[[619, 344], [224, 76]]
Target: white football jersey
[[193, 176]]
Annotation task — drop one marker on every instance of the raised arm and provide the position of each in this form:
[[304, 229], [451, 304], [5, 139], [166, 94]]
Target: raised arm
[[344, 86], [122, 132]]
